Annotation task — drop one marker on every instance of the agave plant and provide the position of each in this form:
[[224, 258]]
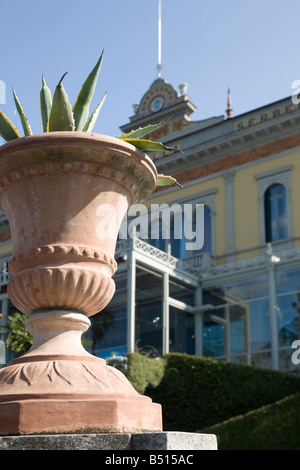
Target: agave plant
[[57, 114]]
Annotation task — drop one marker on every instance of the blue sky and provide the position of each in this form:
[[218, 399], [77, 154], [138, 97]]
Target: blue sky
[[251, 47]]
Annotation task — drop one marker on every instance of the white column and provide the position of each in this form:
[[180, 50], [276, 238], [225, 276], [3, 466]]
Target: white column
[[131, 283], [272, 259], [166, 316]]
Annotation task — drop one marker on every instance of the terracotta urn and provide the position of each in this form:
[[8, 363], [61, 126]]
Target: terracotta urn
[[65, 195]]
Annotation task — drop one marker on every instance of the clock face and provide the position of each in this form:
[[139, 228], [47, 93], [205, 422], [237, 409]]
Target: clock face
[[156, 103]]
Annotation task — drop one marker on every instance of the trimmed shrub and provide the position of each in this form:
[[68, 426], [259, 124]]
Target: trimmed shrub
[[197, 392], [273, 427]]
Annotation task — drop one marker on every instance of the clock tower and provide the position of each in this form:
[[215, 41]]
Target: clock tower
[[162, 102]]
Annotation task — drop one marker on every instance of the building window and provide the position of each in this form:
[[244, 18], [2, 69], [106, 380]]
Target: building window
[[275, 213], [275, 207], [237, 327], [148, 312]]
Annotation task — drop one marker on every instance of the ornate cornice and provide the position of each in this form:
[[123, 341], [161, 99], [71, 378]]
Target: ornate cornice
[[208, 145]]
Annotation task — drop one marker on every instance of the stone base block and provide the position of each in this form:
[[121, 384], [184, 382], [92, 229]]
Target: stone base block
[[173, 441], [82, 416], [112, 442]]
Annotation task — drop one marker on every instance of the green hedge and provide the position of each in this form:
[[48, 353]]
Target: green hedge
[[197, 392], [275, 427]]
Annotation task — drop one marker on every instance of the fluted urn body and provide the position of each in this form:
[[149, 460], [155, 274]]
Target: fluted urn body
[[65, 195]]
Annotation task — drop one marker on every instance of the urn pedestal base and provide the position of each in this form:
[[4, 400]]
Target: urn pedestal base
[[49, 390], [40, 415]]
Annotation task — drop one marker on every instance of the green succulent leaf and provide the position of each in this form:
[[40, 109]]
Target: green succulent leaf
[[147, 144], [61, 115], [24, 121], [82, 104], [163, 180], [7, 129], [142, 131], [92, 119], [45, 104]]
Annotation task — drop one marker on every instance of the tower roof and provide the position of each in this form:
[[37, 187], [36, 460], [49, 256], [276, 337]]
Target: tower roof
[[161, 101]]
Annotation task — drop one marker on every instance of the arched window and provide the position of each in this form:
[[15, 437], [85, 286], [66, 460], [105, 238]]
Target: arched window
[[275, 213]]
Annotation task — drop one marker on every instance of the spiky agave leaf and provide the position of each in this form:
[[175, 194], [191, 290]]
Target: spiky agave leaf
[[92, 119], [164, 180], [7, 129], [61, 116], [82, 104], [45, 104], [134, 137], [147, 144], [25, 124], [142, 131]]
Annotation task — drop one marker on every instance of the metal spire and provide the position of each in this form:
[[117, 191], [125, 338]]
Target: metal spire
[[229, 109], [159, 66]]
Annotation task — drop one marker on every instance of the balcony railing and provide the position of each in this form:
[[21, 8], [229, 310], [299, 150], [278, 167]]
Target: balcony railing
[[200, 261], [193, 264]]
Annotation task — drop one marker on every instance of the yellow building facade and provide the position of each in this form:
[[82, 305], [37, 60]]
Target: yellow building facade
[[237, 296]]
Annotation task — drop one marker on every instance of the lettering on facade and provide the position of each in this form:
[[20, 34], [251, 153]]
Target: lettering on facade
[[266, 116]]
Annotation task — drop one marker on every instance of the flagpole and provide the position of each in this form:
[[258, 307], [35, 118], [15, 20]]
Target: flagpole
[[159, 39]]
